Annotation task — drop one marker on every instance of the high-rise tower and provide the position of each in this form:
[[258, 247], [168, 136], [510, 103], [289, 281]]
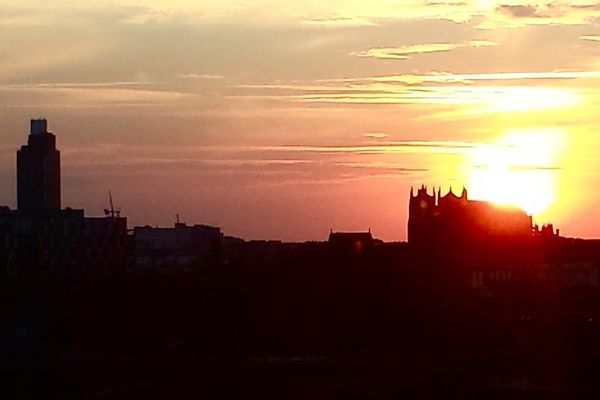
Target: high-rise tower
[[38, 172]]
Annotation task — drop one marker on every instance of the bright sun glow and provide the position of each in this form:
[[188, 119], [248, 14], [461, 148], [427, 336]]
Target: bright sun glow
[[532, 98], [519, 169]]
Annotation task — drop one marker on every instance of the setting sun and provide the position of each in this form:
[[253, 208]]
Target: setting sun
[[519, 169]]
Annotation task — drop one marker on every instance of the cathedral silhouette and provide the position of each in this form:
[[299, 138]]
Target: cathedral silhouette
[[453, 221]]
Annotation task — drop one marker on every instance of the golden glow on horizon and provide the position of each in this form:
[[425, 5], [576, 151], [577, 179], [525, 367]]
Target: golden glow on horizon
[[519, 169], [533, 98], [473, 99], [484, 5]]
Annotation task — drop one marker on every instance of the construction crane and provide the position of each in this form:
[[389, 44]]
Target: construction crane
[[111, 212]]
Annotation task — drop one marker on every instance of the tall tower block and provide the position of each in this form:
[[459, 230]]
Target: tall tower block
[[38, 172]]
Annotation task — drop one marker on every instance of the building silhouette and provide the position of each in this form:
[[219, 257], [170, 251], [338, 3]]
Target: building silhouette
[[454, 222], [38, 172], [178, 246], [40, 236], [351, 242]]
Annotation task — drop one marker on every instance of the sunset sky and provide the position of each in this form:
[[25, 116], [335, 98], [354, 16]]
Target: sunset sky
[[277, 120]]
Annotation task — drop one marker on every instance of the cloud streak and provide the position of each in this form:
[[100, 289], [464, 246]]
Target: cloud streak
[[86, 95], [405, 52], [591, 38], [556, 13], [469, 94], [336, 13], [482, 99], [200, 76], [448, 77]]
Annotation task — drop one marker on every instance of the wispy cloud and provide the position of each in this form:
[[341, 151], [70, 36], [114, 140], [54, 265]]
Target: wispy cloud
[[592, 38], [448, 77], [408, 146], [84, 95], [376, 135], [258, 155], [405, 52], [531, 11], [200, 76], [261, 165], [479, 99], [329, 14], [67, 85], [553, 10], [541, 13], [341, 21], [513, 91]]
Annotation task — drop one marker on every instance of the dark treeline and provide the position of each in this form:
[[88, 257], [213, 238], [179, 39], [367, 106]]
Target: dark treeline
[[303, 322]]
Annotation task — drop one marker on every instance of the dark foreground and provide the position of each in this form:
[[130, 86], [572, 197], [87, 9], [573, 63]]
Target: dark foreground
[[298, 328]]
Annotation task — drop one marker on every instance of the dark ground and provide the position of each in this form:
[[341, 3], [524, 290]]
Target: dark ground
[[300, 327]]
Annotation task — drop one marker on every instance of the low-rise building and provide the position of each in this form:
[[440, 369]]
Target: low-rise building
[[178, 246]]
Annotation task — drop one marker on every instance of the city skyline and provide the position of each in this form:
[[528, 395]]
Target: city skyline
[[308, 117], [432, 217]]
